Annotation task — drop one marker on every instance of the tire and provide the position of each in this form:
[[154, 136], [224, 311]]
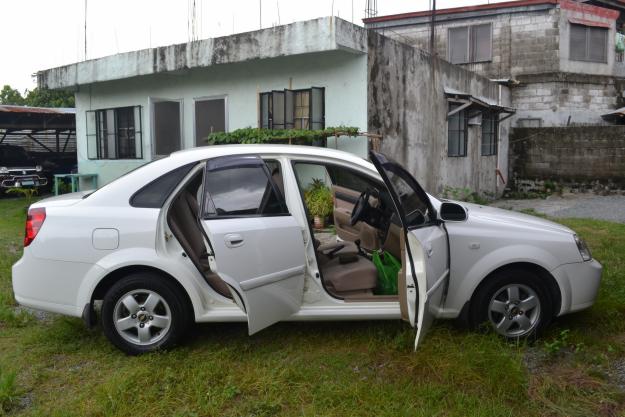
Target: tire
[[144, 312], [522, 316]]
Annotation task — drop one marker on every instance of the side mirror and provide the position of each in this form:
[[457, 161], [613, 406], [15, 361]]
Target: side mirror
[[452, 212]]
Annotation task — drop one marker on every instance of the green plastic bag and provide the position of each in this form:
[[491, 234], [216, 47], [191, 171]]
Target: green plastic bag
[[388, 267]]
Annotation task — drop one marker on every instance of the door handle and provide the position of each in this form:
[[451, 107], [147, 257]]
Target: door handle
[[429, 250], [233, 240]]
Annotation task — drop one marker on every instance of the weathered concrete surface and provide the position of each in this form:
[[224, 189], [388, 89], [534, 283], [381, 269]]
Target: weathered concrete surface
[[569, 155], [587, 206], [318, 35], [531, 44], [407, 105]]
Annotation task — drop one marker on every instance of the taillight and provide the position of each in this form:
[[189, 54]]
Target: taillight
[[34, 221]]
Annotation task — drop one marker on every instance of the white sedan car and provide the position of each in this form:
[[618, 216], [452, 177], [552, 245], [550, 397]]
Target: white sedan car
[[222, 234]]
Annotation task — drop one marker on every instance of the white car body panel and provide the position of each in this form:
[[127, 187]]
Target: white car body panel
[[263, 259], [60, 269]]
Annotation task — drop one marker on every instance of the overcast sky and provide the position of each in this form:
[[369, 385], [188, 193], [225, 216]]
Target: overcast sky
[[41, 34]]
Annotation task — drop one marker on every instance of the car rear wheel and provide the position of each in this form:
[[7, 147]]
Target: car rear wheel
[[514, 302], [144, 312]]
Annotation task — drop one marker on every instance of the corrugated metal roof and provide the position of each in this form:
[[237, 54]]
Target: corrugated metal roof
[[5, 108]]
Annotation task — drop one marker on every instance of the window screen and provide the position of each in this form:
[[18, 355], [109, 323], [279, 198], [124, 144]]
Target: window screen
[[490, 130], [155, 193], [210, 117], [167, 136], [241, 189], [456, 133], [588, 43]]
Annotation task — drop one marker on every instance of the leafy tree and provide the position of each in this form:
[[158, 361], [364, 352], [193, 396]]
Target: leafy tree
[[10, 95], [43, 97], [38, 97]]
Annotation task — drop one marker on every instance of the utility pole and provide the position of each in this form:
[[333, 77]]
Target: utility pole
[[432, 25], [260, 13]]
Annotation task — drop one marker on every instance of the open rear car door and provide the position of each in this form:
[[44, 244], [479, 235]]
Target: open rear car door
[[423, 291], [258, 245]]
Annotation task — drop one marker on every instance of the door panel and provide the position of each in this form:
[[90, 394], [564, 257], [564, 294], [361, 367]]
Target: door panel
[[427, 266], [431, 245], [263, 259], [344, 201]]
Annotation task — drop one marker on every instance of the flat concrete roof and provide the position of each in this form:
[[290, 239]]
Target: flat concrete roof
[[311, 36]]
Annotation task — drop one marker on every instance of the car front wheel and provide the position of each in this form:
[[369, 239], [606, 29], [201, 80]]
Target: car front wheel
[[514, 302], [144, 312]]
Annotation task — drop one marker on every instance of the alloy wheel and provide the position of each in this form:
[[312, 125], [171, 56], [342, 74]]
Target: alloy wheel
[[142, 317], [514, 310]]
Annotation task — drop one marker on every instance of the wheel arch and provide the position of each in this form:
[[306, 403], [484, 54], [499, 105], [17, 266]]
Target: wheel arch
[[547, 278], [112, 277]]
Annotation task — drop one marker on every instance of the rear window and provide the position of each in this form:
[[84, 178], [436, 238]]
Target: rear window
[[155, 193]]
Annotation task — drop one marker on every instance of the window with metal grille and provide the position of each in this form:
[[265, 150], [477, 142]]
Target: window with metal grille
[[588, 43], [470, 44], [490, 133], [114, 133], [456, 132], [293, 109]]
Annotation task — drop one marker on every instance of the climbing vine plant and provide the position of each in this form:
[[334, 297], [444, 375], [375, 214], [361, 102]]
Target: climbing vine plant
[[295, 136]]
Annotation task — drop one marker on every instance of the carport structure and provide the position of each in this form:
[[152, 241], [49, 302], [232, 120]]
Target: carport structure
[[38, 129]]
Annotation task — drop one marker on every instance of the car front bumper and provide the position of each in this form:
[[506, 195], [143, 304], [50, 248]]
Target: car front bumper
[[25, 181], [579, 284]]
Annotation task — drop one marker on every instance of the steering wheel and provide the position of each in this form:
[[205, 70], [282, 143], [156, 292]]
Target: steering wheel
[[360, 208]]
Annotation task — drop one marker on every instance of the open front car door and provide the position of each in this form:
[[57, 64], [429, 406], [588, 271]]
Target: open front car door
[[258, 245], [427, 248]]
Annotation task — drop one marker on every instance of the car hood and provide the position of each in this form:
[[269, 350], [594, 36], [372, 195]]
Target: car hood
[[512, 218], [62, 200]]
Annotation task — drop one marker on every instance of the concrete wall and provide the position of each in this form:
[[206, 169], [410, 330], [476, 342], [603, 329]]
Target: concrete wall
[[574, 156], [342, 73], [560, 99], [408, 106], [532, 46], [521, 42]]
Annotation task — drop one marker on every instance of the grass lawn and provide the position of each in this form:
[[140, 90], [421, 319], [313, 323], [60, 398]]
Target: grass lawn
[[56, 367]]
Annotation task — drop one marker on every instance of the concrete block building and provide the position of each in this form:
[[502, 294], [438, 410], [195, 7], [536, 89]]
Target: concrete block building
[[443, 122], [559, 57]]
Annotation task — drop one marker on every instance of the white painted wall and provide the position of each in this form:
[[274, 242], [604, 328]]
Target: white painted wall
[[343, 74]]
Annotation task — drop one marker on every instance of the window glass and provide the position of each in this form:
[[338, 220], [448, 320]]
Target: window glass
[[349, 179], [490, 128], [114, 133], [458, 45], [588, 43], [470, 44], [155, 193], [415, 208], [597, 44], [481, 35], [278, 119], [456, 132], [126, 133], [241, 190], [293, 109], [578, 43]]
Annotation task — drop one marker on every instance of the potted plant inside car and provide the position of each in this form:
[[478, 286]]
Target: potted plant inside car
[[318, 199]]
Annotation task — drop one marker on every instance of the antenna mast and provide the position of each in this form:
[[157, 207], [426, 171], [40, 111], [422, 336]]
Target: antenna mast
[[85, 30], [371, 8]]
